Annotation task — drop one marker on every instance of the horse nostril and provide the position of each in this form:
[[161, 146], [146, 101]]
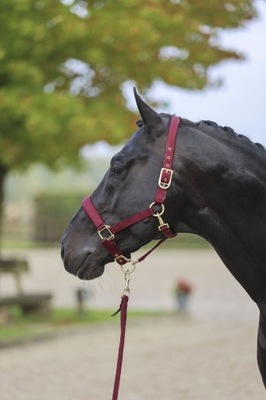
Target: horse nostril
[[62, 251]]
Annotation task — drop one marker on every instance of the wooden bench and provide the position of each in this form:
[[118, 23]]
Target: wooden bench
[[28, 303]]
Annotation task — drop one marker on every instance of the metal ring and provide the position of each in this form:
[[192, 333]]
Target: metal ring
[[158, 214], [128, 269]]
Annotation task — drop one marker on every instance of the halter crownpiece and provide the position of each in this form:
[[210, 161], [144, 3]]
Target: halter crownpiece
[[107, 233]]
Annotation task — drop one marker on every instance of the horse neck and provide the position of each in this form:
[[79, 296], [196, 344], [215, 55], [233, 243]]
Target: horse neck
[[219, 181]]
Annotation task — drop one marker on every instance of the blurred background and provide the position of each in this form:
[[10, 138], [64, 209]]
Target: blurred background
[[66, 77], [67, 71]]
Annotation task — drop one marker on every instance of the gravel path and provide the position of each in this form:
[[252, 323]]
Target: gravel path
[[208, 355]]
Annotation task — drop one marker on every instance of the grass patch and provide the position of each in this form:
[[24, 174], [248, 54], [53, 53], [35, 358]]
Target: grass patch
[[181, 242], [20, 328]]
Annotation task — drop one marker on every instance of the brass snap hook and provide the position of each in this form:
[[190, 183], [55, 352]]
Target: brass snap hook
[[127, 272], [158, 215]]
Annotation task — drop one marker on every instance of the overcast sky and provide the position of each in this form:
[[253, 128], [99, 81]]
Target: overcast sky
[[241, 102]]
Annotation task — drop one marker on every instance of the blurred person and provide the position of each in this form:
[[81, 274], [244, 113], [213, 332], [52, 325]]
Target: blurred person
[[183, 290]]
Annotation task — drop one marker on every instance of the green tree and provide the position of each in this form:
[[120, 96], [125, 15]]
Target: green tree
[[63, 65]]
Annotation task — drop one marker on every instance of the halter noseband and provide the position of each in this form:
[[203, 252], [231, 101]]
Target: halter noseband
[[107, 233]]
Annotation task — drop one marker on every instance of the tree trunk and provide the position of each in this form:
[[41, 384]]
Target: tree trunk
[[3, 174]]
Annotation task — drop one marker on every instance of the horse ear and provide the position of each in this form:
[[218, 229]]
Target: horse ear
[[150, 117]]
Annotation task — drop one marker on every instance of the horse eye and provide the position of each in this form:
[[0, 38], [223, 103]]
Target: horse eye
[[117, 169]]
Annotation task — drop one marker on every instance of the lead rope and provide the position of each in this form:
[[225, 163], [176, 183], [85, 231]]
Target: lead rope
[[123, 321], [127, 270]]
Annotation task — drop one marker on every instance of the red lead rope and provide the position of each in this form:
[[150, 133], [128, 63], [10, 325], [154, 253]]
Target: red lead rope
[[123, 321]]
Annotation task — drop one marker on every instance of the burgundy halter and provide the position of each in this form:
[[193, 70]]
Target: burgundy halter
[[107, 233]]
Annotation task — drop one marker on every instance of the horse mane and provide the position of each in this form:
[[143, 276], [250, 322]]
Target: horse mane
[[230, 132]]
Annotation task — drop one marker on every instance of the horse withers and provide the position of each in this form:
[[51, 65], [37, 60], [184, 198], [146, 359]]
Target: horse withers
[[214, 186]]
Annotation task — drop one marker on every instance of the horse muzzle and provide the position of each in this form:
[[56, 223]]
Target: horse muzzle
[[84, 265]]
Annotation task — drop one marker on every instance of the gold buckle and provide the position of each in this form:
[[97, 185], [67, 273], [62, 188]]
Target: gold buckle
[[165, 185], [106, 228]]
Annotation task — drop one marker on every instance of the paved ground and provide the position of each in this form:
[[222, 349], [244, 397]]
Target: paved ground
[[209, 355]]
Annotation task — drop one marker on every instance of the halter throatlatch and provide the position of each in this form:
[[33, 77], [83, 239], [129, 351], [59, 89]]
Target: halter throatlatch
[[107, 233]]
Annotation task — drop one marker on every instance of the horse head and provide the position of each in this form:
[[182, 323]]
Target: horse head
[[216, 188], [128, 187]]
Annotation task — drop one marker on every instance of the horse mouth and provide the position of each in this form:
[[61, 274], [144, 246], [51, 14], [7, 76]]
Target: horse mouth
[[89, 273], [87, 267], [90, 266]]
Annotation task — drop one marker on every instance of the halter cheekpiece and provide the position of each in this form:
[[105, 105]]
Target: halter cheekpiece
[[107, 233]]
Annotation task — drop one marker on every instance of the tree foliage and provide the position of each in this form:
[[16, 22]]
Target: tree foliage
[[63, 65]]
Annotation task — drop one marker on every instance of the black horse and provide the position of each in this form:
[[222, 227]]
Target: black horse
[[218, 191]]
